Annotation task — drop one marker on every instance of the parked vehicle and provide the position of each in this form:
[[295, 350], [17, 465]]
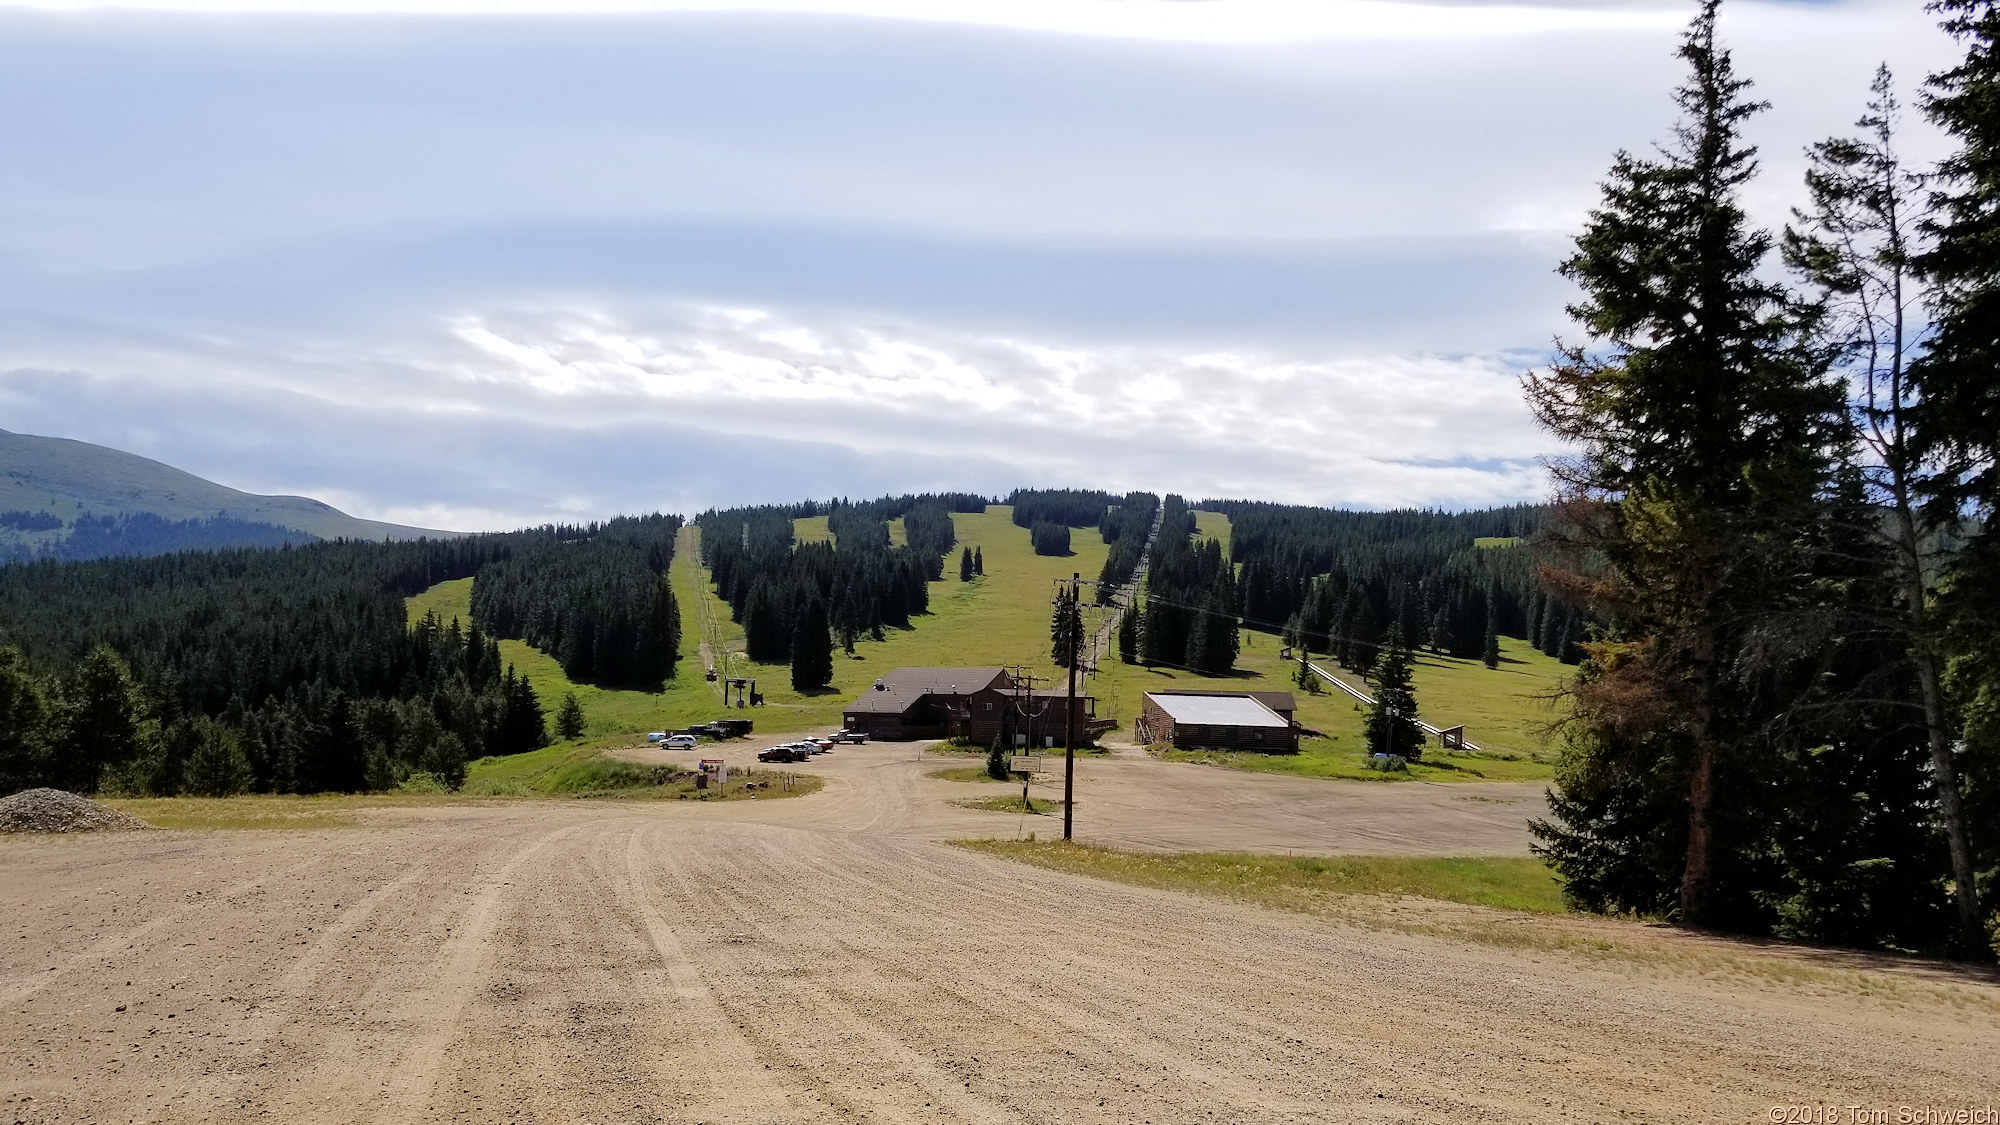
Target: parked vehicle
[[678, 742], [656, 736], [781, 754], [821, 745], [855, 736]]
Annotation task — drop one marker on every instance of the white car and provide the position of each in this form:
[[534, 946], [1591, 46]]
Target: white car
[[656, 736], [678, 742]]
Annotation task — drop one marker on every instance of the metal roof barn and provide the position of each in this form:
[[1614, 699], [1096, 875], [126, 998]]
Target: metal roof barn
[[1219, 711]]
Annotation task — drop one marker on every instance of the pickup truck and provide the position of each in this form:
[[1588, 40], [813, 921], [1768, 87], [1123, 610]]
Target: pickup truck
[[854, 736]]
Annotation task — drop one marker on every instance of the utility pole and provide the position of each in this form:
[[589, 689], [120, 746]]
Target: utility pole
[[1069, 715]]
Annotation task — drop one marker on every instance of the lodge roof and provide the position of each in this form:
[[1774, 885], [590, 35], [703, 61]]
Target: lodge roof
[[1217, 709], [1279, 701]]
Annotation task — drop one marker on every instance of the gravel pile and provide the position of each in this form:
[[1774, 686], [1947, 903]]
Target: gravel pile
[[52, 810]]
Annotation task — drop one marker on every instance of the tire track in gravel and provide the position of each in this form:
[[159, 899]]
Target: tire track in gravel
[[290, 990], [835, 1019], [1237, 1044], [823, 1054], [726, 1051], [435, 1010], [1079, 1016], [24, 989]]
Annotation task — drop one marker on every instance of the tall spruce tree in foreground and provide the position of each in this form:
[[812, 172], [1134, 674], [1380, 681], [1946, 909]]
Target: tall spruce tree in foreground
[[1705, 425], [1956, 418], [1853, 248]]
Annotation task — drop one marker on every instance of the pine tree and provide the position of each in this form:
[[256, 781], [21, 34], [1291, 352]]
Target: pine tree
[[1066, 629], [1705, 431], [1953, 447], [217, 767], [978, 561], [999, 763], [98, 721], [1391, 725], [812, 650], [1128, 636], [569, 718], [24, 718], [1490, 651]]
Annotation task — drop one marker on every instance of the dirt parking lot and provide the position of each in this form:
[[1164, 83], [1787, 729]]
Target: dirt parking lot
[[828, 958]]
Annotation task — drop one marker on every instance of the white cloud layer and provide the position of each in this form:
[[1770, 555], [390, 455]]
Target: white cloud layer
[[1241, 22], [477, 271], [966, 411]]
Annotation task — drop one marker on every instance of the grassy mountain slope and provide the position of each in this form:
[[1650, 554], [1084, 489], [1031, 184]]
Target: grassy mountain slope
[[69, 479], [1003, 618]]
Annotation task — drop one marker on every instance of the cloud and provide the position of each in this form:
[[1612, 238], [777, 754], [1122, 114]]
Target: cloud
[[486, 270], [626, 404]]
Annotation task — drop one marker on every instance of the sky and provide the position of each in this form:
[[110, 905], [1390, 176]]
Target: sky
[[476, 264]]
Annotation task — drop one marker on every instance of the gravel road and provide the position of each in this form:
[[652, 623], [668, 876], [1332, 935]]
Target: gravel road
[[827, 959]]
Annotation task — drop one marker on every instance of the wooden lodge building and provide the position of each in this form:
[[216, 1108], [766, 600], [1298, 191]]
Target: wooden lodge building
[[1226, 720], [976, 704]]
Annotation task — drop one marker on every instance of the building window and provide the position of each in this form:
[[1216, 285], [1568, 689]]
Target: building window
[[988, 705]]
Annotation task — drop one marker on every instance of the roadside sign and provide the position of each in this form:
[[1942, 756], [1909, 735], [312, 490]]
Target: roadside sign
[[1024, 763]]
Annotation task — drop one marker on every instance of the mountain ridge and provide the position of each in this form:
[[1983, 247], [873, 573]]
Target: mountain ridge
[[75, 480]]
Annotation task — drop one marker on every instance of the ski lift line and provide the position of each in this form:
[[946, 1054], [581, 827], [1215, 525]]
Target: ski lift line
[[1427, 728], [1151, 597]]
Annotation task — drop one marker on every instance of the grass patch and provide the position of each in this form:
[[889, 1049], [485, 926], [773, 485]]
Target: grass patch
[[327, 811], [1486, 542], [1328, 758], [1012, 804], [1303, 882], [964, 773], [570, 769], [563, 770]]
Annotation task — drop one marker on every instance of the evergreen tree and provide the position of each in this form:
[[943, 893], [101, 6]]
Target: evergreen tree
[[965, 565], [1440, 632], [1853, 247], [98, 721], [978, 561], [1050, 538], [569, 718], [24, 723], [1128, 636], [216, 765], [1066, 629], [444, 758], [812, 650], [999, 763], [1705, 432], [1391, 726], [1490, 651], [1954, 417]]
